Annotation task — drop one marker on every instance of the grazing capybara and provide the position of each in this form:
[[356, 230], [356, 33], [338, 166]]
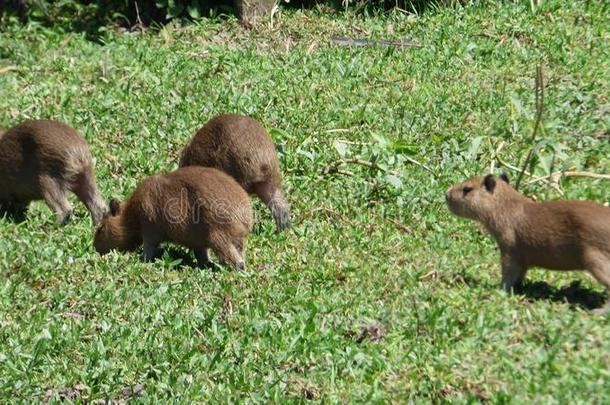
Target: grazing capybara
[[556, 235], [43, 159], [196, 207], [241, 147]]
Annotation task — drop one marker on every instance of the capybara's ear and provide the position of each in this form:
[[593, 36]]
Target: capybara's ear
[[504, 177], [115, 206], [490, 183]]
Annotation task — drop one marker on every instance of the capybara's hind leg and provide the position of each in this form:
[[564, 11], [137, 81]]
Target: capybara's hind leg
[[86, 190], [150, 250], [599, 266], [54, 193], [201, 255], [226, 250], [274, 199]]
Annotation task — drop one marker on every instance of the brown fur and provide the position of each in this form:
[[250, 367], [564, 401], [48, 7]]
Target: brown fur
[[43, 160], [195, 207], [241, 147], [556, 235]]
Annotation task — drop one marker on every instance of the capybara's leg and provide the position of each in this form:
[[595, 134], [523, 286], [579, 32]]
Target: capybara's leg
[[4, 208], [150, 249], [274, 199], [54, 193], [513, 271], [201, 255], [86, 190], [599, 266], [226, 250]]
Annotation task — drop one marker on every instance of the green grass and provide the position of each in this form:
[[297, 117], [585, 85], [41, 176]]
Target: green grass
[[73, 323]]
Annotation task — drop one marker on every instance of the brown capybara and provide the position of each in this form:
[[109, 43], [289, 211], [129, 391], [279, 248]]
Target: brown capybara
[[196, 207], [241, 147], [556, 235], [43, 159]]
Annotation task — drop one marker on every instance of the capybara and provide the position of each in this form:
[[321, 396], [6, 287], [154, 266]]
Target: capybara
[[43, 159], [556, 235], [241, 147], [196, 207]]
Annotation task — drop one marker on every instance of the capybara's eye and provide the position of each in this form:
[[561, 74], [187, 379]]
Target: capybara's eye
[[467, 190]]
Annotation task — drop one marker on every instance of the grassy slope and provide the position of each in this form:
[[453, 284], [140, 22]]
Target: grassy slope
[[69, 318]]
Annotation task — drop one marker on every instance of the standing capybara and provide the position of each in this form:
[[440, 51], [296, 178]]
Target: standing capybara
[[196, 207], [241, 147], [556, 235], [43, 159]]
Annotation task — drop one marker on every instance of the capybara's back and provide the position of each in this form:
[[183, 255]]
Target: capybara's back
[[191, 203], [196, 207], [241, 147], [43, 159]]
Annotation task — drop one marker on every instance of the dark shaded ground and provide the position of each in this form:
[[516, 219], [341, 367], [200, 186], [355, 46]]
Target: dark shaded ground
[[13, 212], [573, 294], [89, 15]]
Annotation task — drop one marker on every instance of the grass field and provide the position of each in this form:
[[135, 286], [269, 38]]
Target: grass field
[[377, 293]]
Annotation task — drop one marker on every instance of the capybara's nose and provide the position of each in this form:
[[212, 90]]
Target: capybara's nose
[[447, 196]]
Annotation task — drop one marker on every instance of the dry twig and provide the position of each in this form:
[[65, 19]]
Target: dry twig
[[7, 69], [401, 227], [539, 89], [590, 175], [332, 167], [344, 41], [525, 172]]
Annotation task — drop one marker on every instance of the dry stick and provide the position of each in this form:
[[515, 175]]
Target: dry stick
[[523, 171], [586, 174], [423, 166], [332, 166], [556, 176], [334, 213], [400, 226], [344, 41], [138, 19], [344, 172], [538, 179], [548, 189], [428, 275], [495, 154], [352, 142], [8, 69], [539, 110], [335, 130]]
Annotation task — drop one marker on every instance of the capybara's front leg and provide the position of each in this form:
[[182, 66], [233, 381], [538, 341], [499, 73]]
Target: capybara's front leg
[[86, 190], [513, 271], [599, 267], [274, 199]]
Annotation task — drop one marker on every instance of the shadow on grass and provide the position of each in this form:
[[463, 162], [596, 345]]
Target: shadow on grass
[[89, 16], [574, 294], [14, 213], [183, 258]]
